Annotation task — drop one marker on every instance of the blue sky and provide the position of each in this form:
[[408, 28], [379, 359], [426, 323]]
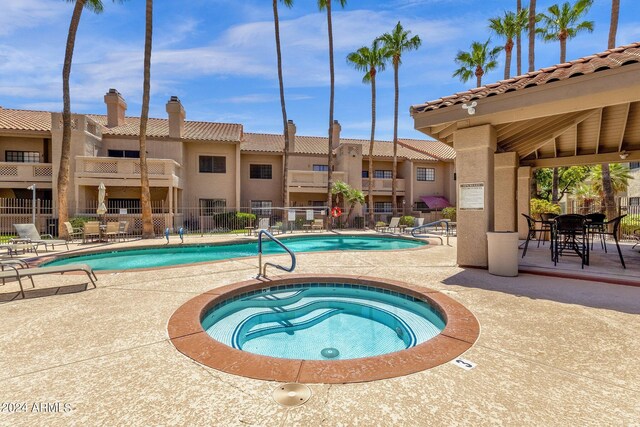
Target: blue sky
[[218, 56]]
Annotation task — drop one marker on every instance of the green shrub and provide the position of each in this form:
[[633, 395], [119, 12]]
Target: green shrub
[[381, 224], [449, 213], [244, 219], [630, 223], [79, 221], [407, 220], [540, 206]]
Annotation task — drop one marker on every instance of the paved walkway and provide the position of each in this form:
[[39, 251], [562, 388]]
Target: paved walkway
[[551, 352]]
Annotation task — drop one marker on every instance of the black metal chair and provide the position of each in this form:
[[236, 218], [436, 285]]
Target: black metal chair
[[547, 223], [570, 233], [595, 224], [611, 228], [531, 223]]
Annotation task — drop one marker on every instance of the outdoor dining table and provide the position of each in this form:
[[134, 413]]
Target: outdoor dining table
[[570, 232]]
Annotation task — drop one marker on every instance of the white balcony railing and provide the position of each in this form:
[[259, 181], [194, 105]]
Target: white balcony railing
[[383, 185], [312, 179], [108, 167], [27, 172]]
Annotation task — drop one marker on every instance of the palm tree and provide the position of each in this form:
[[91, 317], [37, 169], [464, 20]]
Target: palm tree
[[285, 166], [479, 61], [353, 197], [322, 5], [145, 196], [396, 43], [340, 190], [607, 185], [519, 40], [620, 177], [532, 34], [370, 60], [561, 23], [509, 26], [95, 6]]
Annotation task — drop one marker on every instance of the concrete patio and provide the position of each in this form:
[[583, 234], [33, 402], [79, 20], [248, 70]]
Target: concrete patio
[[552, 351]]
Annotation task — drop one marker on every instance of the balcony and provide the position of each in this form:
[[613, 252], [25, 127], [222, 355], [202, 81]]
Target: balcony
[[14, 173], [382, 186], [117, 171], [311, 181]]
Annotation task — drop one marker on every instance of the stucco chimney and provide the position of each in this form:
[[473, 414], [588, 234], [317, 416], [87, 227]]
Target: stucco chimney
[[336, 134], [115, 108], [291, 130], [176, 117]]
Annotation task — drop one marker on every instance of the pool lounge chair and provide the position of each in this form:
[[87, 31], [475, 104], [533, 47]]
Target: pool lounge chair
[[14, 272], [417, 222], [394, 224], [13, 248], [263, 224], [29, 234], [72, 232]]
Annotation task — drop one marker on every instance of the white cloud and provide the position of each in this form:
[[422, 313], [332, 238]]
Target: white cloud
[[20, 14]]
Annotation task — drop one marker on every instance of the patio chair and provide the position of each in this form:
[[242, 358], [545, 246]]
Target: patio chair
[[113, 227], [91, 231], [317, 224], [16, 273], [636, 236], [595, 225], [533, 231], [394, 224], [263, 224], [611, 228], [72, 231], [29, 234], [546, 219]]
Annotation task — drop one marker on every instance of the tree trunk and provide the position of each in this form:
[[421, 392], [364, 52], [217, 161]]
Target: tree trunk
[[563, 49], [607, 185], [372, 223], [532, 34], [533, 186], [613, 26], [554, 186], [145, 196], [394, 191], [285, 167], [63, 171], [519, 42], [330, 153], [479, 74], [508, 49]]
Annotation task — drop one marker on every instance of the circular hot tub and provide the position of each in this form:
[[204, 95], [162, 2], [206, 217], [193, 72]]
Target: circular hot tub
[[330, 329]]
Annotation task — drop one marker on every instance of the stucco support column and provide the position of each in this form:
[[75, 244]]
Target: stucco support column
[[524, 196], [504, 182], [475, 148]]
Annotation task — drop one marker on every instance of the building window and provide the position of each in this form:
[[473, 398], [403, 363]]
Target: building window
[[426, 174], [260, 171], [365, 174], [261, 207], [130, 154], [320, 168], [131, 205], [22, 156], [212, 206], [384, 174], [634, 165], [213, 164], [379, 207]]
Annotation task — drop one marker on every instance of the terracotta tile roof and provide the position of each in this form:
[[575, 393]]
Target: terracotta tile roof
[[159, 128], [609, 59], [25, 120], [407, 148]]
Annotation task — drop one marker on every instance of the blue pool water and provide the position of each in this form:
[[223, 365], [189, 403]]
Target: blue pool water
[[187, 254], [322, 321]]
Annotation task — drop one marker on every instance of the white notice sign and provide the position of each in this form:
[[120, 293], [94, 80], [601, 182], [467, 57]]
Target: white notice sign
[[292, 215], [472, 196], [309, 215]]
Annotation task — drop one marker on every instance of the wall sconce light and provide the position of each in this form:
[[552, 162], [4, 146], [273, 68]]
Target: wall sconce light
[[624, 155]]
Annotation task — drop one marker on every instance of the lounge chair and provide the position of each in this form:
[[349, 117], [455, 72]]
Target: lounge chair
[[14, 272], [394, 224], [317, 224], [91, 231], [29, 234], [72, 232], [263, 224], [417, 222], [13, 248], [12, 264]]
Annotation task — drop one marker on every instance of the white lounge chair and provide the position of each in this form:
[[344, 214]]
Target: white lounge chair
[[13, 272], [417, 222], [29, 233], [394, 224]]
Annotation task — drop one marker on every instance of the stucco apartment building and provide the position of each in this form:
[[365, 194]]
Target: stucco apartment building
[[205, 165]]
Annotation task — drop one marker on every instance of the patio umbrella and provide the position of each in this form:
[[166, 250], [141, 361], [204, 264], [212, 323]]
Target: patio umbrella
[[102, 191]]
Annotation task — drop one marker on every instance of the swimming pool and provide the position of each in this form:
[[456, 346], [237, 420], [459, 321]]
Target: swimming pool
[[321, 321], [187, 254]]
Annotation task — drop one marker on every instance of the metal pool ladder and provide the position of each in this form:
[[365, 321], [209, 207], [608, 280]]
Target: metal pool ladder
[[262, 271], [431, 224]]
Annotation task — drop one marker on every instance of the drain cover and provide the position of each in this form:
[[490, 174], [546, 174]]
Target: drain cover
[[329, 352], [292, 394]]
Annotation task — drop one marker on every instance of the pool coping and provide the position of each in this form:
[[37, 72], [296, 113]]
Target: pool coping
[[189, 338]]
